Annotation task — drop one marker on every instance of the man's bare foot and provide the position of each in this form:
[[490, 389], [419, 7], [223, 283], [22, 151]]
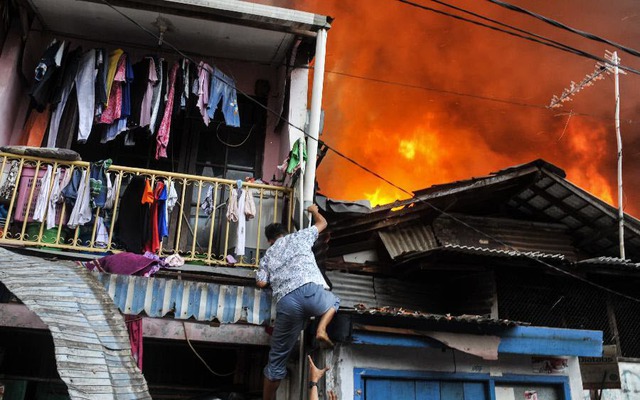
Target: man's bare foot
[[323, 340]]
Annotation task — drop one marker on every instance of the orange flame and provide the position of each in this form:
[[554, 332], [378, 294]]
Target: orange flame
[[437, 125]]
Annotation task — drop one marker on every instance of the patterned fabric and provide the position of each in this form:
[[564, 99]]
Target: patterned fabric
[[289, 263], [165, 125], [114, 108]]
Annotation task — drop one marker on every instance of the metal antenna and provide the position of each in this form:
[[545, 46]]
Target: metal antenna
[[611, 67]]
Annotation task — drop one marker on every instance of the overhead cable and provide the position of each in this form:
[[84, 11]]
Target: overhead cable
[[566, 27], [552, 44]]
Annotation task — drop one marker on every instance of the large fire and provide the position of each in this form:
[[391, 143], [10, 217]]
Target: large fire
[[428, 118]]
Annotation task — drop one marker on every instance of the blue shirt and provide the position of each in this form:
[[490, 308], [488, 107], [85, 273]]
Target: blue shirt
[[289, 263]]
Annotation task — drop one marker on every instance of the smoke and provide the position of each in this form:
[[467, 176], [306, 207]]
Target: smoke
[[443, 128]]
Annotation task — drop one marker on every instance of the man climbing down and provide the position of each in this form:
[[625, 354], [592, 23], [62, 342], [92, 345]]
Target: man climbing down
[[299, 290]]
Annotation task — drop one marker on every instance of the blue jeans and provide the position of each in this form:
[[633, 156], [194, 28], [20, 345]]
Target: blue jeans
[[292, 311], [223, 87]]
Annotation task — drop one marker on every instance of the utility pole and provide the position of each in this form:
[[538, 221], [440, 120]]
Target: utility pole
[[574, 88]]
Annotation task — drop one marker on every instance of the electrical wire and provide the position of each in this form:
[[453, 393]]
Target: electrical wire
[[375, 174], [565, 48], [566, 27], [184, 327]]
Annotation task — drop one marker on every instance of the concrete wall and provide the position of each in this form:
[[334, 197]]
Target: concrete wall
[[630, 381], [344, 359]]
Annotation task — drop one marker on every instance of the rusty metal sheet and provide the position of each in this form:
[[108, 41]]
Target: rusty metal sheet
[[409, 240]]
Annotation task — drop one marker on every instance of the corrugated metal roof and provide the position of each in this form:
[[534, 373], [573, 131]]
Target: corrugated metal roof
[[158, 297], [537, 191], [406, 313], [474, 235], [92, 348], [611, 261], [408, 240], [500, 253], [353, 289], [506, 236]]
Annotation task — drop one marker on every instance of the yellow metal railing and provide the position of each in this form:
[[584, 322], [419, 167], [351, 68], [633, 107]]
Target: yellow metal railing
[[194, 234]]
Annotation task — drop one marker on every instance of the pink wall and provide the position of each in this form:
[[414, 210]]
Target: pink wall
[[13, 91]]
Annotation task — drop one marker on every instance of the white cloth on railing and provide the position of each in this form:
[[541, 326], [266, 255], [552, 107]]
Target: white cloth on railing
[[207, 203], [102, 235], [55, 198], [172, 198], [81, 213], [242, 224], [240, 208], [112, 191], [41, 201]]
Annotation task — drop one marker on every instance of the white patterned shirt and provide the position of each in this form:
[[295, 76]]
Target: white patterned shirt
[[289, 263]]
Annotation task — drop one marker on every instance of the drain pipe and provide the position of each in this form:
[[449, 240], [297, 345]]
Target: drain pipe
[[314, 119]]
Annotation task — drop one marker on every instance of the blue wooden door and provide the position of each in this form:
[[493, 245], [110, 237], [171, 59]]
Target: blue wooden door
[[405, 389]]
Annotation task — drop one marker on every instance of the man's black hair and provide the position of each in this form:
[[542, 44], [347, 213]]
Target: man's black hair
[[272, 231]]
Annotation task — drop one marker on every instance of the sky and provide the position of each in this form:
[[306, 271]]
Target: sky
[[445, 100]]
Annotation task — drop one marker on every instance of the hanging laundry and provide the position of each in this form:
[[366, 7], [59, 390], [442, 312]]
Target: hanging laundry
[[184, 97], [165, 126], [86, 88], [98, 182], [112, 67], [126, 88], [163, 224], [131, 215], [81, 212], [102, 234], [207, 203], [297, 157], [43, 196], [135, 329], [172, 198], [249, 204], [9, 184], [158, 95], [147, 202], [113, 130], [204, 81], [101, 78], [45, 70], [59, 182], [240, 208], [223, 89], [113, 188], [114, 106], [153, 245], [142, 92], [62, 96]]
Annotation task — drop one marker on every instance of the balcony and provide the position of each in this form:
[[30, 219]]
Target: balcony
[[200, 235]]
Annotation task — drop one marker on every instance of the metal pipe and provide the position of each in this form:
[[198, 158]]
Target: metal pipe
[[314, 119]]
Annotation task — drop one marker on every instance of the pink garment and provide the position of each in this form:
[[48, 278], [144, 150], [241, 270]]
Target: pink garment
[[114, 109], [204, 80], [145, 110], [165, 125]]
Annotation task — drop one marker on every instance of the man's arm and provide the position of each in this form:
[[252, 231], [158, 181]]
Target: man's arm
[[320, 222], [262, 276]]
